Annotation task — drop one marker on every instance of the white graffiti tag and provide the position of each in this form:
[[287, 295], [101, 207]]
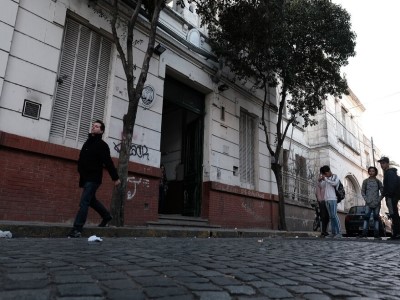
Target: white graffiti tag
[[131, 194]]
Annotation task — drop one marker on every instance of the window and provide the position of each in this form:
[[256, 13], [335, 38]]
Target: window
[[246, 147], [82, 84]]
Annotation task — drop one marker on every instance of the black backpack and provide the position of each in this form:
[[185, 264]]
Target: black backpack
[[339, 191]]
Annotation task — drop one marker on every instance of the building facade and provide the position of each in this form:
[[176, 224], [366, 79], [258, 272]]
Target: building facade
[[59, 71]]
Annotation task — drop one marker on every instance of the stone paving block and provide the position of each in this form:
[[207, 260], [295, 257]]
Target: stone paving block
[[37, 294], [178, 273], [123, 284], [240, 290], [192, 279], [208, 273], [202, 287], [86, 289], [283, 281], [24, 284], [180, 297], [245, 277], [72, 278], [317, 297], [224, 280], [156, 292], [263, 284], [303, 289], [213, 295], [276, 293], [125, 295], [339, 293], [27, 276], [143, 272], [154, 281]]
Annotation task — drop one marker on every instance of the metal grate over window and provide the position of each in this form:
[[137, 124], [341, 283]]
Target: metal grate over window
[[31, 109]]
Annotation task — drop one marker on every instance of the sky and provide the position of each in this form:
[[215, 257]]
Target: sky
[[373, 74]]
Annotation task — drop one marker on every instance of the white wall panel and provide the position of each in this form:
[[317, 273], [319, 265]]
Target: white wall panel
[[223, 161], [225, 132], [13, 97], [6, 33], [13, 122], [3, 63], [42, 8], [222, 146], [8, 11], [30, 76], [31, 50], [38, 28]]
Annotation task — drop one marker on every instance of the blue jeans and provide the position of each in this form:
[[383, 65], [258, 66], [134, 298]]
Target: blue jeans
[[375, 213], [88, 198], [331, 206]]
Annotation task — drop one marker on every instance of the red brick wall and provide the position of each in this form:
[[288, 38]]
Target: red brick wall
[[39, 182], [234, 207]]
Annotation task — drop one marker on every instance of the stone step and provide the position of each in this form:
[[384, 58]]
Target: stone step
[[181, 221]]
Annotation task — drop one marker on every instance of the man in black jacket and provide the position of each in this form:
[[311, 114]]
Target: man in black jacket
[[390, 192], [95, 155]]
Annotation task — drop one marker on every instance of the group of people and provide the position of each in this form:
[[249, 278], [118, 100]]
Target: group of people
[[372, 191]]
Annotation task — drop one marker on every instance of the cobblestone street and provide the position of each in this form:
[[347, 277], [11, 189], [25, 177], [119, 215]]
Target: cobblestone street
[[190, 268]]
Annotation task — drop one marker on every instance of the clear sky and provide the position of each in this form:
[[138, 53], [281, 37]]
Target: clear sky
[[373, 74]]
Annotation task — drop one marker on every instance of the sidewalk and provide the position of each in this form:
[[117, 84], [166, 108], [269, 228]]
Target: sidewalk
[[57, 230]]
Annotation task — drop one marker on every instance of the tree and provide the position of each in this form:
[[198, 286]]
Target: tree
[[296, 45], [129, 19]]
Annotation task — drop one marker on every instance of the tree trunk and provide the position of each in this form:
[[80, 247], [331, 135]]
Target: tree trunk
[[119, 194], [277, 169]]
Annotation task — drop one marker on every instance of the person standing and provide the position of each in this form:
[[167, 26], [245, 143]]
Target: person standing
[[324, 216], [371, 191], [94, 155], [329, 181], [390, 186]]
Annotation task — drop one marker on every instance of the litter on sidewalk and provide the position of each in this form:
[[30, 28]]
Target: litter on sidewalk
[[5, 234], [94, 239]]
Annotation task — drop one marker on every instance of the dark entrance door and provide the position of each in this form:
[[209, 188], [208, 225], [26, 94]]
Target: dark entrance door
[[193, 168], [182, 147]]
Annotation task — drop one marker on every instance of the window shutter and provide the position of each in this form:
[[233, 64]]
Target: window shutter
[[246, 148], [82, 84]]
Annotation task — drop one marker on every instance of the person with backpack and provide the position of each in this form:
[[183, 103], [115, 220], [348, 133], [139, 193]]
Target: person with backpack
[[371, 191], [390, 192], [329, 182], [324, 216]]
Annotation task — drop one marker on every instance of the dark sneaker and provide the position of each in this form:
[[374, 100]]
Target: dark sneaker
[[74, 234], [105, 221]]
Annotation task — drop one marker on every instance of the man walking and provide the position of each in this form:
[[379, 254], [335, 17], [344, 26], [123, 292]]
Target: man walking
[[390, 187], [329, 181], [95, 154]]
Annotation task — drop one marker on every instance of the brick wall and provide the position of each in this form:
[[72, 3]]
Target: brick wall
[[39, 183], [235, 207]]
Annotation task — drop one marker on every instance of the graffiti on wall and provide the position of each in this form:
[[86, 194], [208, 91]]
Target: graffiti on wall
[[135, 150], [134, 185]]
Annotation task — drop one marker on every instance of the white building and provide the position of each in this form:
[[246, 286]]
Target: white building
[[59, 70]]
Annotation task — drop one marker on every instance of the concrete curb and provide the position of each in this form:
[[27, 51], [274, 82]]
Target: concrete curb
[[50, 230]]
